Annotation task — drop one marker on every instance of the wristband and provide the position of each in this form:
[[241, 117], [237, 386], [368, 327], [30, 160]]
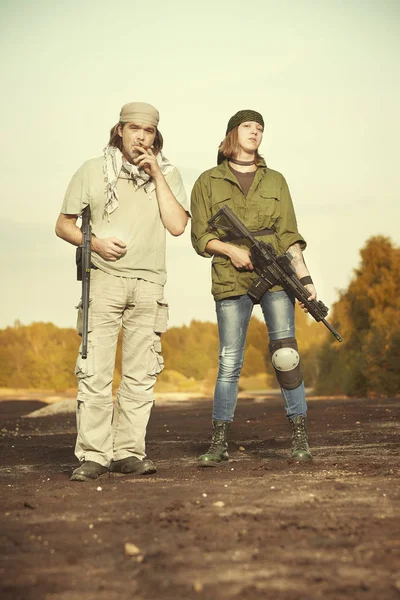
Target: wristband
[[306, 280]]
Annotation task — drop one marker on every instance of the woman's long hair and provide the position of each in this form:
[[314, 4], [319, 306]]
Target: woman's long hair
[[116, 139], [229, 147]]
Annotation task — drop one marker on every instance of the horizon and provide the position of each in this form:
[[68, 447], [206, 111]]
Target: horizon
[[323, 76]]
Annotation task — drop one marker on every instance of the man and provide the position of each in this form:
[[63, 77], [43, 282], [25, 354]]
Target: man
[[260, 197], [135, 194]]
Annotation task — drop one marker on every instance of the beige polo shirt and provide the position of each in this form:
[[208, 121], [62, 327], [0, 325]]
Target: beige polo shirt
[[136, 221]]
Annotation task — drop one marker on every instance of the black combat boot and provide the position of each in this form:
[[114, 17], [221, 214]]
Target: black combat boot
[[132, 464], [218, 451], [88, 470], [300, 449]]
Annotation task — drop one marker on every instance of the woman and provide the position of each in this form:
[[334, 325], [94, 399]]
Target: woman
[[260, 198]]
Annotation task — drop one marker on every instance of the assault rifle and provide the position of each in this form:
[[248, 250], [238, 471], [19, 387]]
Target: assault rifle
[[83, 274], [271, 268]]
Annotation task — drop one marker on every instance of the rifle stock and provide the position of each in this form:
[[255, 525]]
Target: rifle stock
[[271, 268]]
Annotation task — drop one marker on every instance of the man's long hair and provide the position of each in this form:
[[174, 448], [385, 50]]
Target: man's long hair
[[116, 139], [229, 147]]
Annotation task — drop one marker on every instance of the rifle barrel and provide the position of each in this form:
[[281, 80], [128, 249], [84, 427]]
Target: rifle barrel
[[332, 330]]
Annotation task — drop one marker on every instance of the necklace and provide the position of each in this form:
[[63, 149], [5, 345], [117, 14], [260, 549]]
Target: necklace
[[242, 163]]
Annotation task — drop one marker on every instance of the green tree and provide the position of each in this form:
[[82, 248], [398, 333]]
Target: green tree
[[254, 361], [367, 315]]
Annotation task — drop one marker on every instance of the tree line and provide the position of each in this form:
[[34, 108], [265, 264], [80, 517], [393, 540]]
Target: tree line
[[367, 362], [42, 356]]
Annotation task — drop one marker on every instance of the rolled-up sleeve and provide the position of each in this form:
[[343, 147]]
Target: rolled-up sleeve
[[175, 183], [77, 194], [200, 211], [286, 227]]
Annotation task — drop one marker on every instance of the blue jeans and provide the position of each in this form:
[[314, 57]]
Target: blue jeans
[[233, 315]]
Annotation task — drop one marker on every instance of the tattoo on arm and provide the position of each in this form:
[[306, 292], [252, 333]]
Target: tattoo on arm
[[297, 255]]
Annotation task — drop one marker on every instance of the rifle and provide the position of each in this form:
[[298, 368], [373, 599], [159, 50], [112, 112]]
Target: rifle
[[83, 274], [271, 268]]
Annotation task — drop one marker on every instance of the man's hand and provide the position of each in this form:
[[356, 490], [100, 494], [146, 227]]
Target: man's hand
[[313, 295], [240, 258], [110, 249], [147, 161]]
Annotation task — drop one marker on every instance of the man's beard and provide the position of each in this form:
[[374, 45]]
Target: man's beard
[[135, 153]]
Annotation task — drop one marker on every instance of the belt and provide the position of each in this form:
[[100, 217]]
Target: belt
[[233, 236]]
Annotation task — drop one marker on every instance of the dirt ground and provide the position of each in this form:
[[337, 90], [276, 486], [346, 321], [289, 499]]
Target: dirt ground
[[256, 527]]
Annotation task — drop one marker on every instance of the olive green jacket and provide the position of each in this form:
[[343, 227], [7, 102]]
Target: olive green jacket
[[267, 205]]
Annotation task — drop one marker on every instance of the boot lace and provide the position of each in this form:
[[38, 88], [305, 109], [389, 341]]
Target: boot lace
[[300, 440], [217, 440]]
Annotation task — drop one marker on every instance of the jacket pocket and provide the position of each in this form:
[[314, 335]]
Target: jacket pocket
[[223, 275], [219, 202], [268, 210]]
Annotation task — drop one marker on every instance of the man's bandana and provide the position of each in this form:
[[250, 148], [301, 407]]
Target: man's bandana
[[139, 112]]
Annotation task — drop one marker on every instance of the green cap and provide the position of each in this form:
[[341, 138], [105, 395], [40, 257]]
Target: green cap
[[242, 117]]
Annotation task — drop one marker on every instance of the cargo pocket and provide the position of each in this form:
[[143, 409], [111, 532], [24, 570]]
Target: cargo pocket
[[161, 320], [85, 366], [79, 319], [156, 361]]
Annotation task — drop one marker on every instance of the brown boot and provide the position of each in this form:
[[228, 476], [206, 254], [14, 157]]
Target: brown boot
[[218, 451], [300, 449]]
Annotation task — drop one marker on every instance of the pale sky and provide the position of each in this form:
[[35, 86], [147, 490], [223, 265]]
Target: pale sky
[[325, 75]]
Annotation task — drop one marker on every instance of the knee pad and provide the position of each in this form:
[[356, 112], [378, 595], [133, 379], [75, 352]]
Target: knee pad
[[286, 362]]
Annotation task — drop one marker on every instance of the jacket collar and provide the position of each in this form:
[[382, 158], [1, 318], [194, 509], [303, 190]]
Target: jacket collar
[[223, 171]]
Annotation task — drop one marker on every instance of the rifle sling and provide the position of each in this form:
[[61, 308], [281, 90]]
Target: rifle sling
[[231, 236]]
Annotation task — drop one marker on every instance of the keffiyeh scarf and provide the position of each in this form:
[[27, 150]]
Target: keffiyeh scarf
[[114, 162]]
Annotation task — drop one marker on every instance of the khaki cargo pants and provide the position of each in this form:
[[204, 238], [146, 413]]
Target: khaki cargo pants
[[108, 431]]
